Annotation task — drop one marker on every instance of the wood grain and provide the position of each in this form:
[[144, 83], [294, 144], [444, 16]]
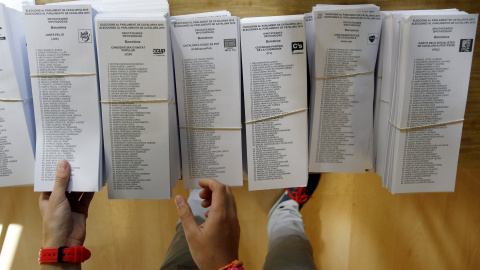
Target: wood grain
[[352, 222]]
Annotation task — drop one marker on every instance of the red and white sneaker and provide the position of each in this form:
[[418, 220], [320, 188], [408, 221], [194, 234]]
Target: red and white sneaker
[[299, 194]]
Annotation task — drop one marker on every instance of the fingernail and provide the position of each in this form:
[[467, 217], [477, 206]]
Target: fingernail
[[62, 165], [178, 200]]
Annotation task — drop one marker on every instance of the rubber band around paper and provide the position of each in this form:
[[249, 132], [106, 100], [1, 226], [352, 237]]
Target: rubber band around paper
[[62, 75], [276, 116], [346, 75], [134, 101], [13, 100], [211, 128], [426, 126]]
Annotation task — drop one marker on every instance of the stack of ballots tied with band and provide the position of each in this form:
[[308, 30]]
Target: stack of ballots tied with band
[[17, 127], [425, 84]]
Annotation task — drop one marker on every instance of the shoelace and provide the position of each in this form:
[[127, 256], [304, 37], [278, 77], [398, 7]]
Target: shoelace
[[299, 195], [236, 264]]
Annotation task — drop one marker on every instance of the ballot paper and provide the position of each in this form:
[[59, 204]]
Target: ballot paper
[[134, 59], [17, 4], [346, 41], [309, 37], [428, 101], [385, 80], [121, 6], [275, 89], [65, 94], [17, 127], [207, 73]]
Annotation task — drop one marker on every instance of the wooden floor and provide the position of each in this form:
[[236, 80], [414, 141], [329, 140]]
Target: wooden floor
[[351, 221]]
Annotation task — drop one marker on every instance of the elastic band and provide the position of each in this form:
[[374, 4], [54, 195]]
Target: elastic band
[[134, 101], [346, 75], [426, 126], [276, 116], [62, 75], [14, 100], [213, 128]]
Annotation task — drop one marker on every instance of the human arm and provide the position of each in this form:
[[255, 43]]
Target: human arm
[[214, 243], [64, 216]]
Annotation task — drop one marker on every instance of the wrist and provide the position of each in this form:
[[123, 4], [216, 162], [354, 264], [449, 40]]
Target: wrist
[[54, 243], [67, 257]]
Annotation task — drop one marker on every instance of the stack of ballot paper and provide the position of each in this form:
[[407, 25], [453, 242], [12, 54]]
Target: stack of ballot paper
[[17, 4], [17, 129], [275, 90], [207, 72], [65, 94], [139, 116], [385, 74], [427, 59], [344, 47], [121, 6]]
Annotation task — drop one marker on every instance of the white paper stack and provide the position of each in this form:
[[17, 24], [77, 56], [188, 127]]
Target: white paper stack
[[136, 82], [275, 89], [385, 80], [430, 74], [17, 128], [345, 49], [207, 73], [122, 6], [17, 4], [65, 94]]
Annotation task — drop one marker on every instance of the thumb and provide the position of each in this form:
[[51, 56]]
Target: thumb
[[185, 214], [61, 181]]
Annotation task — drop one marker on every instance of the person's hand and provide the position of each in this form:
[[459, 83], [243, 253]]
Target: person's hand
[[64, 215], [213, 244]]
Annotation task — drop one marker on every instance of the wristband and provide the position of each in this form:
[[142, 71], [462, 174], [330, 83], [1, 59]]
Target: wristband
[[235, 265], [63, 255]]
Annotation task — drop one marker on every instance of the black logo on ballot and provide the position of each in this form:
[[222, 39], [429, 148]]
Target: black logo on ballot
[[159, 52], [466, 45], [230, 44], [84, 36], [372, 39], [297, 46]]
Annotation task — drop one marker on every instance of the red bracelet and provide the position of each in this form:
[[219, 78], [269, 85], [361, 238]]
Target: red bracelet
[[63, 255], [235, 265]]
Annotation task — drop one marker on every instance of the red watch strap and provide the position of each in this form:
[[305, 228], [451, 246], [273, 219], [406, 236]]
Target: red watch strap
[[63, 255]]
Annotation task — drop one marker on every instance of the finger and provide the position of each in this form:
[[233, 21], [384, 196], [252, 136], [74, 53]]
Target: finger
[[231, 200], [87, 198], [80, 201], [186, 216], [206, 203], [61, 181], [218, 190], [44, 196], [205, 193], [73, 196], [206, 214], [219, 207], [84, 203]]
